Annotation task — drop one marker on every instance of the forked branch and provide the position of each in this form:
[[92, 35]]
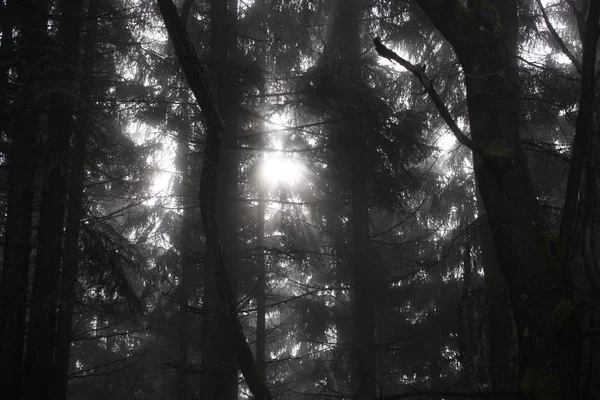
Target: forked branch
[[419, 72]]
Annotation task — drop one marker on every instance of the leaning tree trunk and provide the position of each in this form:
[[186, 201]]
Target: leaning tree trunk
[[194, 73]]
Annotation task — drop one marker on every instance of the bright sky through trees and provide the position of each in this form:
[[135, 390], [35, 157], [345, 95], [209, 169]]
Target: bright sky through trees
[[366, 248], [278, 166]]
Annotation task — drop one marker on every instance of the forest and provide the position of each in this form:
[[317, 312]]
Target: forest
[[299, 199]]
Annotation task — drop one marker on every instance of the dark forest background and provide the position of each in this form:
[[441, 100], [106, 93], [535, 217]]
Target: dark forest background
[[353, 199]]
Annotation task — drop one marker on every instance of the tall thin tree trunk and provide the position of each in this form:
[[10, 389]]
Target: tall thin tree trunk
[[343, 317], [68, 280], [39, 359], [218, 359], [342, 54], [187, 259], [466, 321], [32, 18], [261, 295], [589, 250], [194, 73], [347, 31], [261, 285], [498, 319], [6, 49], [364, 345]]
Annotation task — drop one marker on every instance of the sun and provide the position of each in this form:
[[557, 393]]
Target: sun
[[276, 168], [277, 165], [446, 142]]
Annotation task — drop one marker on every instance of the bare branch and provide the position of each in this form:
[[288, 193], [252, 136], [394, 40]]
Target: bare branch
[[419, 72], [558, 39]]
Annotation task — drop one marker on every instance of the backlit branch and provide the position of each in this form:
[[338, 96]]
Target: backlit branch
[[558, 39], [419, 72]]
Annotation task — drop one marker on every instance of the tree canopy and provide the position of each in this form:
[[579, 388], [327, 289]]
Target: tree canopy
[[299, 199]]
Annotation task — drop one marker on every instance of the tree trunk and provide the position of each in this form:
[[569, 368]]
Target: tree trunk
[[39, 359], [583, 132], [187, 260], [32, 20], [342, 54], [261, 284], [498, 319], [6, 53], [466, 322], [347, 31], [539, 287], [68, 280], [208, 186], [590, 276], [343, 317], [218, 360], [261, 295], [365, 363]]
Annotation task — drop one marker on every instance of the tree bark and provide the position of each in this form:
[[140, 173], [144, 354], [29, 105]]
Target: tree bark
[[68, 280], [261, 284], [466, 322], [218, 360], [208, 185], [498, 319], [364, 351], [6, 54], [343, 318], [31, 20], [589, 251], [187, 260], [347, 30], [342, 54], [540, 289], [261, 295], [39, 360], [583, 133]]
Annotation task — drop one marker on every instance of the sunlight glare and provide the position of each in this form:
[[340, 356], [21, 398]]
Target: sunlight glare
[[277, 165], [446, 142], [276, 168]]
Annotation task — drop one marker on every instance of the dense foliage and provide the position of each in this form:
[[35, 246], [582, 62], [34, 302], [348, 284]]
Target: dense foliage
[[299, 199]]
